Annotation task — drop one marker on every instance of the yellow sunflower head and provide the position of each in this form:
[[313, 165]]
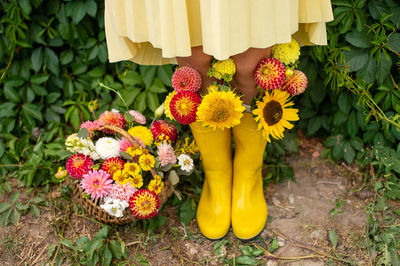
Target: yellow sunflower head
[[143, 133], [220, 109], [273, 116]]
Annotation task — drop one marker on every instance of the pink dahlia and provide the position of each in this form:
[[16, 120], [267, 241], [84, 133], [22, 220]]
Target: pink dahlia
[[186, 79], [295, 84], [164, 130], [270, 73], [184, 105], [91, 126], [138, 117], [166, 154], [112, 118], [113, 164], [97, 183], [78, 165], [122, 192]]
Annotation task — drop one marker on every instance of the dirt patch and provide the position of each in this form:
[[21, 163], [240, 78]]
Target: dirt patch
[[301, 214]]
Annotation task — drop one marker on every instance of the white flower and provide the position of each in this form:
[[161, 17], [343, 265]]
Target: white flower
[[79, 145], [107, 148], [185, 162], [114, 110], [114, 207]]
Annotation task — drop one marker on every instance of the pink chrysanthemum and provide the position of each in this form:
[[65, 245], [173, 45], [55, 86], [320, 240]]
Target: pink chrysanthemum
[[144, 204], [78, 165], [166, 154], [112, 118], [295, 84], [91, 126], [164, 130], [111, 165], [125, 143], [270, 73], [122, 192], [138, 117], [97, 183], [186, 79], [184, 105]]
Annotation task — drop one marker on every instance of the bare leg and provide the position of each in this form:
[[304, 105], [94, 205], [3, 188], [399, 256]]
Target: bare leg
[[246, 63], [201, 62]]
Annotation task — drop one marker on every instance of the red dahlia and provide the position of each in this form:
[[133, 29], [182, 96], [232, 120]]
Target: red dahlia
[[162, 129], [144, 204], [78, 165], [270, 73], [184, 105], [111, 165], [112, 118], [295, 84], [186, 79]]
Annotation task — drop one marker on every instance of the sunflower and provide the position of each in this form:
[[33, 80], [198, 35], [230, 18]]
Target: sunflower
[[220, 109], [273, 115], [144, 204]]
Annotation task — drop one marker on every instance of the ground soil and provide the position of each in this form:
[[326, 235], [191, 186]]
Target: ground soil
[[301, 215]]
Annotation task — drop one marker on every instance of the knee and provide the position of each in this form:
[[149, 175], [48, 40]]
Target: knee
[[245, 72]]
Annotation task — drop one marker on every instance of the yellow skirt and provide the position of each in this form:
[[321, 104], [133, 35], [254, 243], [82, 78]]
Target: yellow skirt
[[155, 32]]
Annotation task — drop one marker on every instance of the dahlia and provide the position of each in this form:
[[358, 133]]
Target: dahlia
[[122, 192], [107, 148], [167, 110], [223, 70], [164, 130], [96, 183], [287, 53], [91, 126], [78, 165], [166, 154], [186, 79], [156, 186], [270, 73], [76, 144], [144, 204], [138, 117], [184, 105], [186, 162], [111, 165], [114, 207], [146, 162], [142, 133], [295, 84], [114, 118]]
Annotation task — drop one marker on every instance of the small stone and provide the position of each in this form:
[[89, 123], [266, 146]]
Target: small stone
[[291, 198], [318, 234], [281, 241]]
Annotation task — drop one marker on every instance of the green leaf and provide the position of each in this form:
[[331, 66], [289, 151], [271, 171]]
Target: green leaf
[[66, 57], [314, 125], [140, 102], [66, 242], [115, 249], [333, 238], [352, 124], [93, 246], [2, 148], [107, 256], [356, 143], [5, 206], [83, 133], [394, 42], [164, 73], [35, 211], [344, 102], [14, 217], [368, 71], [103, 233], [152, 101], [39, 90], [74, 117], [78, 11], [359, 39], [31, 110], [187, 211], [51, 61], [4, 218], [383, 68], [37, 59], [39, 78], [14, 196], [348, 153], [246, 260], [6, 110], [11, 94], [356, 58], [52, 97], [25, 6], [91, 8], [131, 78], [148, 74]]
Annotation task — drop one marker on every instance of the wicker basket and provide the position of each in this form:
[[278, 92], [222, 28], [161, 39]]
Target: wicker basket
[[92, 207]]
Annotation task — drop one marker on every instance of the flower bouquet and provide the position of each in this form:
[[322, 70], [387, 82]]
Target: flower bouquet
[[124, 170]]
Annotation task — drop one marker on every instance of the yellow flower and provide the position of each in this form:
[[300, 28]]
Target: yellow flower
[[120, 176], [146, 162], [136, 181], [157, 178], [187, 148], [273, 115], [132, 168], [167, 101], [156, 186], [220, 109], [223, 70], [134, 151], [61, 173], [143, 133], [287, 53]]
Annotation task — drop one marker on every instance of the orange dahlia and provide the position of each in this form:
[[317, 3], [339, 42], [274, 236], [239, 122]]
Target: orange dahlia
[[296, 83], [164, 130], [186, 79], [184, 105], [111, 165], [270, 73], [78, 165], [144, 204], [113, 118]]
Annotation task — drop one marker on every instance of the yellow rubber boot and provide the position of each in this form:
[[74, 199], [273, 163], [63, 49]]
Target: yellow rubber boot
[[214, 209], [249, 208]]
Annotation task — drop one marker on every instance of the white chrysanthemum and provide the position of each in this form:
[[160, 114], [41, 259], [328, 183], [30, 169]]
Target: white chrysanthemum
[[114, 207], [186, 162], [76, 144], [107, 148]]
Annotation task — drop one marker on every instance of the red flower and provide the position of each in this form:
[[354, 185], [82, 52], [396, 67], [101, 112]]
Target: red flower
[[78, 165], [186, 79], [162, 129], [270, 73], [112, 118], [111, 165], [295, 84], [184, 105], [144, 204]]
